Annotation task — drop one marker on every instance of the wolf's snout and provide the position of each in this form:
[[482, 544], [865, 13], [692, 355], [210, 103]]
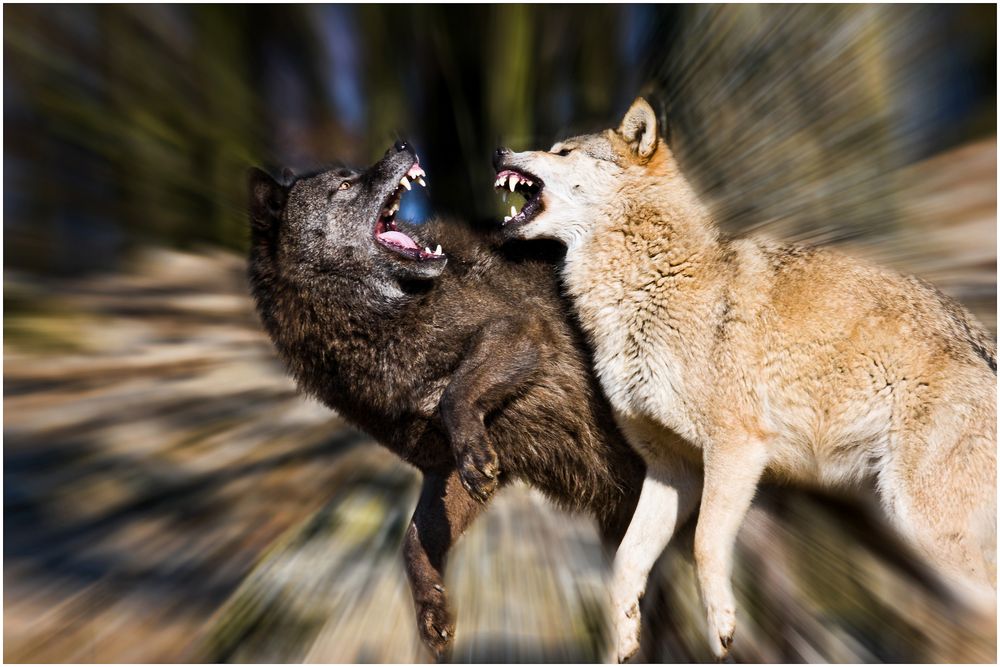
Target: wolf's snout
[[499, 155]]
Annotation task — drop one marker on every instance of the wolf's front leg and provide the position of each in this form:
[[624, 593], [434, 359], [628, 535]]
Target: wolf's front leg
[[502, 356], [669, 495], [443, 513], [733, 467]]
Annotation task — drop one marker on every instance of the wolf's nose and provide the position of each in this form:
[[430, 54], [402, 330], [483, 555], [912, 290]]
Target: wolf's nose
[[498, 157], [401, 146]]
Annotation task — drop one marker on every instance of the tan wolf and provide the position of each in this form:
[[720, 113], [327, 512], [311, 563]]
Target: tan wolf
[[770, 360]]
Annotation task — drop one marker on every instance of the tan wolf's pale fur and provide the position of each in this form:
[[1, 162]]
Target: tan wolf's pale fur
[[770, 360]]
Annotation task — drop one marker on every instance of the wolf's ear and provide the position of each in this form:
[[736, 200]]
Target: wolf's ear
[[267, 198], [638, 128]]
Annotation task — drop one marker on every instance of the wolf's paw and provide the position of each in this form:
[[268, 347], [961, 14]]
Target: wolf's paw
[[721, 628], [627, 626], [479, 472], [436, 629]]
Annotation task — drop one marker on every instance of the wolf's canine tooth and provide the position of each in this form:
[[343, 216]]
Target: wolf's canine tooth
[[405, 182]]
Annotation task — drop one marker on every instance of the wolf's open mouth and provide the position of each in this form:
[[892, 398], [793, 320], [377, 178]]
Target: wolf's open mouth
[[386, 231], [524, 184]]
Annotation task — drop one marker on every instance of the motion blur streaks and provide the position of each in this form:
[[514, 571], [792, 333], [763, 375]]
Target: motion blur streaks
[[170, 496], [147, 430]]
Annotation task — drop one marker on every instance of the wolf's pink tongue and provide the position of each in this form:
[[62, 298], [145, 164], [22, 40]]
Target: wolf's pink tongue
[[399, 238]]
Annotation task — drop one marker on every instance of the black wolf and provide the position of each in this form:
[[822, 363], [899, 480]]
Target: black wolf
[[463, 362]]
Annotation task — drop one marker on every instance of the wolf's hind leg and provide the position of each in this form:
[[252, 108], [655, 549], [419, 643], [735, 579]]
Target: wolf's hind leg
[[940, 491], [733, 467], [503, 355], [443, 513], [669, 495]]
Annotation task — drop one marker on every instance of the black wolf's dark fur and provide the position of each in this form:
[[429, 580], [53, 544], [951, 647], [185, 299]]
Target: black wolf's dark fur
[[474, 375]]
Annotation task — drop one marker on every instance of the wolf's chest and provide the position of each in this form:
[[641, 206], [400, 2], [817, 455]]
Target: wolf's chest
[[640, 379], [637, 367], [637, 348]]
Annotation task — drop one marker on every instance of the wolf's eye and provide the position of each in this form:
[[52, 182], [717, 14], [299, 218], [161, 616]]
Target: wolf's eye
[[563, 152], [346, 185]]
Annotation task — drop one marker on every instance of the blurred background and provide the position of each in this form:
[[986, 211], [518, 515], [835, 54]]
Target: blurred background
[[168, 496]]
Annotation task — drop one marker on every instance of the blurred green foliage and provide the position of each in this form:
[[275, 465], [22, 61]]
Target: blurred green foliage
[[130, 124]]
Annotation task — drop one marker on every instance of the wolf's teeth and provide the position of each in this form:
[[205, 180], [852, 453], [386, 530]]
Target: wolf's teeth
[[513, 211], [423, 183], [405, 182], [437, 251], [500, 182], [506, 218], [512, 183], [428, 251]]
